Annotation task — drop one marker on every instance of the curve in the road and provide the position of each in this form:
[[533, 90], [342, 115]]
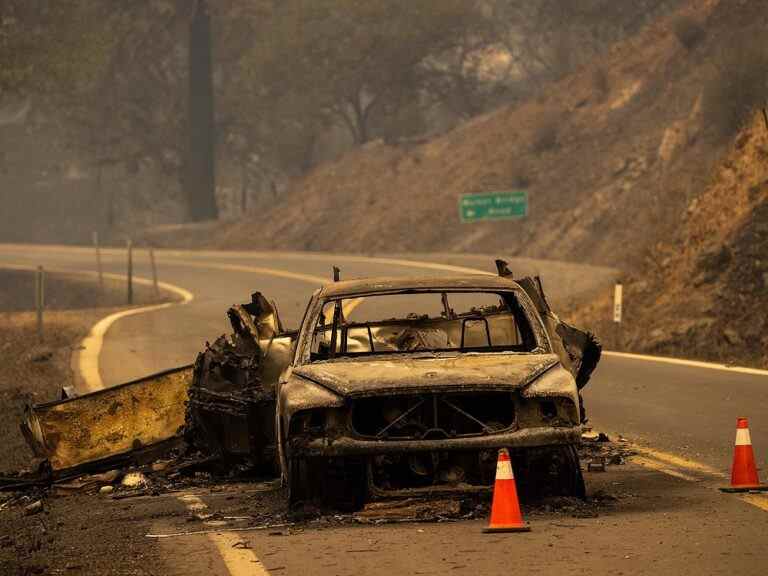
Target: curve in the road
[[87, 361], [86, 358]]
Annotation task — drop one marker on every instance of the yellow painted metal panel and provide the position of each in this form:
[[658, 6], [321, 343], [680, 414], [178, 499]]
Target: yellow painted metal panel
[[110, 422]]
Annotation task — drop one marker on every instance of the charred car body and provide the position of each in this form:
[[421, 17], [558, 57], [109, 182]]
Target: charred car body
[[406, 385], [394, 386]]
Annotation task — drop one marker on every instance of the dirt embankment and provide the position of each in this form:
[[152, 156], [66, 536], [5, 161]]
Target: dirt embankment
[[705, 296], [626, 164], [68, 291], [34, 370]]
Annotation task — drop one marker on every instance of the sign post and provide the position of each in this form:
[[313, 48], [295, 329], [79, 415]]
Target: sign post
[[618, 297], [504, 205]]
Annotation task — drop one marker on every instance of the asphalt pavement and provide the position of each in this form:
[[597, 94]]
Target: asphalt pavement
[[683, 416]]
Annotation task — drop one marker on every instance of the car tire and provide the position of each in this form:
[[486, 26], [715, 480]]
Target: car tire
[[299, 486], [336, 483], [551, 471], [571, 477]]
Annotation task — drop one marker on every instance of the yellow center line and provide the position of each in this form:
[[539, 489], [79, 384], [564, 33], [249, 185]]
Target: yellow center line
[[661, 467], [310, 278], [682, 468], [758, 500], [351, 305], [679, 462], [237, 556]]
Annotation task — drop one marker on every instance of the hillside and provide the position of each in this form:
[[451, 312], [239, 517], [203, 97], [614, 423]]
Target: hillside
[[611, 156], [705, 296], [635, 162]]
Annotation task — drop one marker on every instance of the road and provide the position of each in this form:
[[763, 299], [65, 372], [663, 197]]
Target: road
[[681, 416]]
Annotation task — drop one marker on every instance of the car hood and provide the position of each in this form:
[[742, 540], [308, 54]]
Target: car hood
[[465, 372]]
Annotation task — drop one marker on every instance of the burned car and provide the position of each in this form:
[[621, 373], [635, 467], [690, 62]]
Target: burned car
[[391, 386], [408, 385]]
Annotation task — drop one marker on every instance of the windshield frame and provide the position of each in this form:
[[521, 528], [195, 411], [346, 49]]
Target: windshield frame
[[542, 343]]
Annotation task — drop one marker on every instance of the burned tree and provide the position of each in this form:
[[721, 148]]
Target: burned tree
[[200, 181]]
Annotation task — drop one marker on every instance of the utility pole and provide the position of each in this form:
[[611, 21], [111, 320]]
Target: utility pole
[[200, 170], [129, 275]]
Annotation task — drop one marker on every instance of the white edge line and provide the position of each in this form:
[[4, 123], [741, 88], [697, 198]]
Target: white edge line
[[690, 363]]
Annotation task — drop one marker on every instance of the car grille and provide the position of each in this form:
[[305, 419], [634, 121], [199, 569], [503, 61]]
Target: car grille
[[433, 416]]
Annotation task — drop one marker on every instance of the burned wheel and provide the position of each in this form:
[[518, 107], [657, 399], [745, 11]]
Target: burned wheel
[[570, 478], [337, 483], [551, 471], [299, 484]]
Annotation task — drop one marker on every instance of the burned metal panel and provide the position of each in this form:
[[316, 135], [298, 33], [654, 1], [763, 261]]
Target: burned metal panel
[[109, 422], [524, 438], [579, 351], [584, 351], [475, 371], [231, 405], [276, 357], [260, 316], [557, 382], [226, 398], [298, 394]]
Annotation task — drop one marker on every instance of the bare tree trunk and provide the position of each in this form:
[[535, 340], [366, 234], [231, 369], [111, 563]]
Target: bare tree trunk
[[243, 186], [110, 216], [200, 180], [361, 120]]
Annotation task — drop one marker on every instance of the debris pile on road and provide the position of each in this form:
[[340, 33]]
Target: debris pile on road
[[418, 422], [218, 411], [597, 451]]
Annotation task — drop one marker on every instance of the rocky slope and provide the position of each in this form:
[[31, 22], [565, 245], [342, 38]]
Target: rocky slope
[[705, 296]]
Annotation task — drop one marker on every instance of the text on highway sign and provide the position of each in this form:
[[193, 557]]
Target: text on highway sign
[[493, 206]]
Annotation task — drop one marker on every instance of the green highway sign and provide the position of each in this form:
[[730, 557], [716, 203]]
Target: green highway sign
[[493, 206]]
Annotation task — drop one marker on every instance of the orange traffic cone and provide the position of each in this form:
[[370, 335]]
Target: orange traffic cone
[[744, 472], [505, 509]]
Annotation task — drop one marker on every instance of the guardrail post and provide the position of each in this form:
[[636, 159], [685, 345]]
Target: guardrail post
[[129, 245], [40, 299]]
